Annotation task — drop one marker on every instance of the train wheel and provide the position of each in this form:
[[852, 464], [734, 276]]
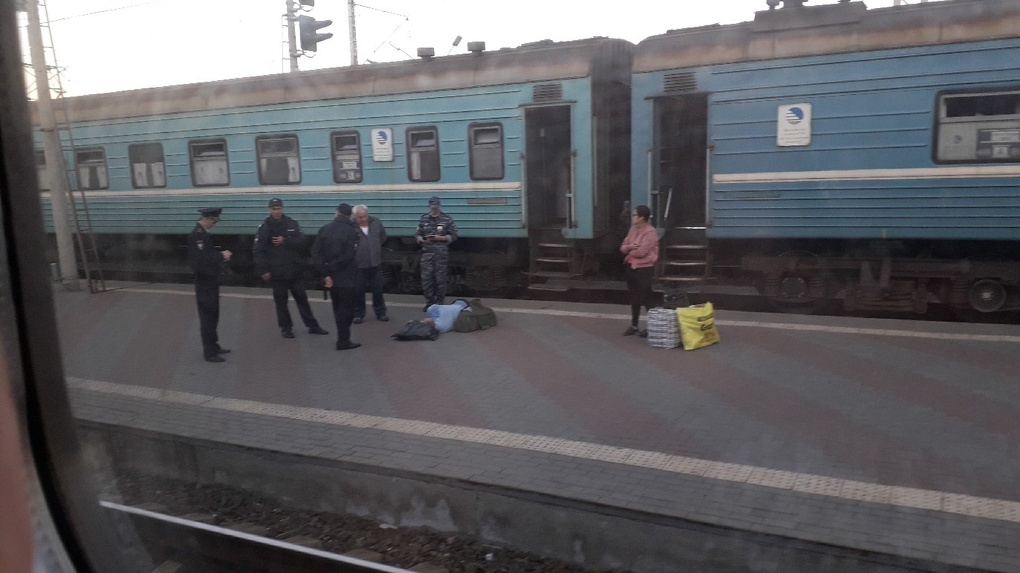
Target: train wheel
[[986, 295], [799, 291], [985, 299]]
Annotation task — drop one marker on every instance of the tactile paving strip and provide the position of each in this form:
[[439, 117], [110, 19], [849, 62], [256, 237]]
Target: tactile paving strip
[[986, 508]]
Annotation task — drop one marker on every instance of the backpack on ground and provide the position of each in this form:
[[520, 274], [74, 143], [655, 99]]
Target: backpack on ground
[[476, 317], [675, 298]]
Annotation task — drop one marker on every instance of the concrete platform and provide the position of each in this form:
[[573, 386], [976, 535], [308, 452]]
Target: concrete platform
[[896, 439]]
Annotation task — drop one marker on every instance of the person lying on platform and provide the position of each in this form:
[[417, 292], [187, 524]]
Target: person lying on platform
[[442, 316]]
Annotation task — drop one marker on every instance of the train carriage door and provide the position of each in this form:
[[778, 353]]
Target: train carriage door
[[548, 168], [679, 160]]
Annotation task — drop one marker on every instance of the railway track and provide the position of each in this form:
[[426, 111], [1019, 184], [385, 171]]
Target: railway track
[[179, 545]]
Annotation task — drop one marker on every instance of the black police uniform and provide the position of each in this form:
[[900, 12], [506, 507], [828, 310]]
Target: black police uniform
[[207, 263], [286, 268], [333, 253]]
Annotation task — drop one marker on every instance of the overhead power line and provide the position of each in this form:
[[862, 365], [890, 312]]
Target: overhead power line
[[367, 7], [117, 9]]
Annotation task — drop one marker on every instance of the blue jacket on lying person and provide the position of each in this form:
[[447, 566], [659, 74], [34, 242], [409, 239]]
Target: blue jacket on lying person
[[444, 315]]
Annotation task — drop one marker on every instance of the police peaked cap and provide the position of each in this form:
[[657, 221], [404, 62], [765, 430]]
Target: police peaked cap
[[211, 211], [276, 202]]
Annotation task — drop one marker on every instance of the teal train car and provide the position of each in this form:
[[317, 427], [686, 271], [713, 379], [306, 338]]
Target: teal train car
[[527, 149], [835, 152], [814, 154]]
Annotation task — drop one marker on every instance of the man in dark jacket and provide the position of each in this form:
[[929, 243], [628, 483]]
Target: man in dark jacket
[[278, 259], [207, 263], [334, 254], [373, 235]]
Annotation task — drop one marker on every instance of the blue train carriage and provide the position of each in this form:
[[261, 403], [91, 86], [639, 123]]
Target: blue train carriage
[[837, 152], [525, 147]]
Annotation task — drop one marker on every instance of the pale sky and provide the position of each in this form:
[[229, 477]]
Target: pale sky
[[112, 45]]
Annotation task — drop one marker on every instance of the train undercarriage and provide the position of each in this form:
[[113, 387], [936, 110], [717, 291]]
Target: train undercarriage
[[477, 266], [972, 288], [802, 280]]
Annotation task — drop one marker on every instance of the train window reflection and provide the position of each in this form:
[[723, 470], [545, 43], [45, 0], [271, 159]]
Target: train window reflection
[[486, 151], [209, 163], [346, 157], [148, 168], [982, 104], [92, 170], [855, 171], [40, 168], [423, 154], [279, 162], [979, 127]]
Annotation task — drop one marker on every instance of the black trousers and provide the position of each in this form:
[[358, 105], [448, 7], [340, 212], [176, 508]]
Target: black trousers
[[639, 286], [343, 311], [369, 278], [296, 288], [207, 295]]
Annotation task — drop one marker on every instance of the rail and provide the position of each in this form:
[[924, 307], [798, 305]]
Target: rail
[[166, 535]]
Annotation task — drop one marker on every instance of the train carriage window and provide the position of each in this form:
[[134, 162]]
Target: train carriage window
[[423, 154], [346, 149], [148, 167], [91, 167], [40, 170], [279, 162], [486, 151], [209, 165], [979, 127]]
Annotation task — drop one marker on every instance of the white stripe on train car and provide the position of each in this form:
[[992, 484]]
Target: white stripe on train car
[[279, 190], [963, 172]]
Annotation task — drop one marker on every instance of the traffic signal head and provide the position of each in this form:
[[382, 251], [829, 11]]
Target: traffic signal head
[[309, 34]]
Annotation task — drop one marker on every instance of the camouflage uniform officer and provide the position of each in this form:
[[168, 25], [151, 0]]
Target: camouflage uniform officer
[[436, 230], [207, 262]]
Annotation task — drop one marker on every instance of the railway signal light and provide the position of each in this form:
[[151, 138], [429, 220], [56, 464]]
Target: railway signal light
[[308, 32]]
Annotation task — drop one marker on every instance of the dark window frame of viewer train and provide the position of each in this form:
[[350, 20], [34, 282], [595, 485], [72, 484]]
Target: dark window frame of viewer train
[[29, 331]]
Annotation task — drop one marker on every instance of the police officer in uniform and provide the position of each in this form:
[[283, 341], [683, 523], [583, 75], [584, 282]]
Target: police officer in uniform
[[207, 263], [334, 253], [277, 251], [436, 230]]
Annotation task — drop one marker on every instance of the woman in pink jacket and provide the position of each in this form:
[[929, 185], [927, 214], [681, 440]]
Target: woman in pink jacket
[[641, 248]]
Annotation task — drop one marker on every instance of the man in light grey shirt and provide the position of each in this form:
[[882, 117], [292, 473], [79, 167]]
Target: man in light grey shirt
[[373, 235]]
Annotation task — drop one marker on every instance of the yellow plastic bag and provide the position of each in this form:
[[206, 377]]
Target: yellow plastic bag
[[697, 325]]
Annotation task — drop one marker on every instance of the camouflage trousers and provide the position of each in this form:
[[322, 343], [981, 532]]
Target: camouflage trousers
[[433, 275]]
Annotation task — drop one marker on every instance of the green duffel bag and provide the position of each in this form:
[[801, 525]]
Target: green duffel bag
[[476, 317]]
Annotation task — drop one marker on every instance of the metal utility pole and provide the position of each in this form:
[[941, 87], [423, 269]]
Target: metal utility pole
[[354, 35], [292, 35], [56, 169]]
